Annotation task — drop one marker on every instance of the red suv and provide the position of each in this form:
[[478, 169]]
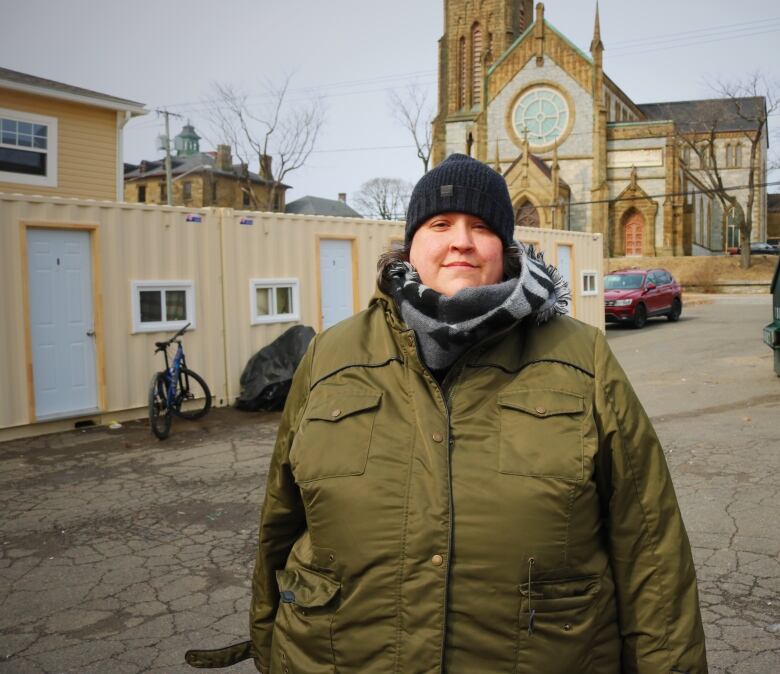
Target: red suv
[[634, 295]]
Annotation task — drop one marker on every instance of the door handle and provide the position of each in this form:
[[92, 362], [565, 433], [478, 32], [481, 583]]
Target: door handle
[[90, 333]]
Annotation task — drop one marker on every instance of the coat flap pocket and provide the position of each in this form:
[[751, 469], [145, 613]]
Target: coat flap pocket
[[341, 404], [561, 595], [543, 402], [304, 587]]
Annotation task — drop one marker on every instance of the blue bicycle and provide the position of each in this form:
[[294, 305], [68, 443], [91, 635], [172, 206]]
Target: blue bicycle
[[176, 390]]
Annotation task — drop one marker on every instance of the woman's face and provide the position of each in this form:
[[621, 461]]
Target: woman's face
[[452, 251]]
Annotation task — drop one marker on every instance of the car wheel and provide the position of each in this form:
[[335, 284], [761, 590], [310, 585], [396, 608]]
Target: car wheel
[[640, 316], [674, 314]]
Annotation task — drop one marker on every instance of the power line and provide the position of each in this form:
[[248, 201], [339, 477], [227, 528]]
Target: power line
[[694, 43], [664, 195], [409, 77], [729, 26]]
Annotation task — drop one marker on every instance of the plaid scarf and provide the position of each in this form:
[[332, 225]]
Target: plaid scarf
[[447, 326]]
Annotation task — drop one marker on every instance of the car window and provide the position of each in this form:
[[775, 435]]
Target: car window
[[652, 277], [623, 281]]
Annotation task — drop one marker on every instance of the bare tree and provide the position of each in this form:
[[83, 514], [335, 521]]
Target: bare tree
[[268, 129], [412, 109], [384, 198], [753, 101]]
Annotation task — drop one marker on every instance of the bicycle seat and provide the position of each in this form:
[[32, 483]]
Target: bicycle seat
[[161, 345]]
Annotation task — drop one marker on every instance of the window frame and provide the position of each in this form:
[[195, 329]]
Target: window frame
[[165, 325], [273, 283], [589, 273], [52, 142]]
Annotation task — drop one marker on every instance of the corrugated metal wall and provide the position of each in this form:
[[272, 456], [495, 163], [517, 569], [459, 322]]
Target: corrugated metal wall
[[220, 255]]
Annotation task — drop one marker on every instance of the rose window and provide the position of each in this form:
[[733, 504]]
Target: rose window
[[541, 115]]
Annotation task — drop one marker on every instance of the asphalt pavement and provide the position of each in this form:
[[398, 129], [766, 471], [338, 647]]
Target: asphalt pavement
[[119, 552]]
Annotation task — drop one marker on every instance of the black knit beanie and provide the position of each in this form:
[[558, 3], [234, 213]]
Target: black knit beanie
[[463, 185]]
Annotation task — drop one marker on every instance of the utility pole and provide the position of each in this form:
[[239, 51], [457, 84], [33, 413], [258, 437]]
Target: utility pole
[[167, 148]]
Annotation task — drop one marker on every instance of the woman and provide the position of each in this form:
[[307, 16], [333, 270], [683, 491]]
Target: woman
[[464, 480]]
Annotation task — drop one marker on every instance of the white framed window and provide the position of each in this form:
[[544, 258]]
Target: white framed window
[[163, 305], [28, 148], [590, 282], [274, 300]]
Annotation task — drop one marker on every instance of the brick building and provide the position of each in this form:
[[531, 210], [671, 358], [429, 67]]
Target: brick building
[[205, 179]]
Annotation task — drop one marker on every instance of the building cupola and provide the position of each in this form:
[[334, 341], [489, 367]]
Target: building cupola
[[187, 143]]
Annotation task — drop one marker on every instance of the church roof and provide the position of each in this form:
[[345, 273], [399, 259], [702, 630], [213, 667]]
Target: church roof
[[520, 38], [723, 114], [309, 205]]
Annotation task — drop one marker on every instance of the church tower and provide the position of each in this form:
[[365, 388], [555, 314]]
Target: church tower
[[476, 34]]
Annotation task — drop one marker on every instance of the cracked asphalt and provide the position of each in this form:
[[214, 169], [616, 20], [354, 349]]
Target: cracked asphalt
[[119, 552]]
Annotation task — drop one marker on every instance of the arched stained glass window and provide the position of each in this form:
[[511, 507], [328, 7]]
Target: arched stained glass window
[[527, 215], [462, 72], [476, 65]]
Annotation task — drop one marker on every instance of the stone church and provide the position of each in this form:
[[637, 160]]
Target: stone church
[[576, 151]]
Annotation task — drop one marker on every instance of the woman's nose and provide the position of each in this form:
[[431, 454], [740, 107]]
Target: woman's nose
[[462, 238]]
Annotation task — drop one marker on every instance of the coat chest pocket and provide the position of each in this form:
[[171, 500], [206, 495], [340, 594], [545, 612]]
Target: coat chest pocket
[[335, 434], [541, 433]]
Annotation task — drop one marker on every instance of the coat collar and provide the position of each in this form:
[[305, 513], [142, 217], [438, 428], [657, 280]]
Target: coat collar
[[561, 339]]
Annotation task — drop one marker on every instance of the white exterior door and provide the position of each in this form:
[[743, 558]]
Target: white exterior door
[[336, 289], [61, 322], [564, 267]]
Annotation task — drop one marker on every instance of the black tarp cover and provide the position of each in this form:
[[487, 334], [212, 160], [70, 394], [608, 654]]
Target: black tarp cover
[[266, 379]]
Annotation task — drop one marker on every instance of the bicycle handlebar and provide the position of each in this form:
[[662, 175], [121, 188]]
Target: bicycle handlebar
[[168, 342], [181, 332]]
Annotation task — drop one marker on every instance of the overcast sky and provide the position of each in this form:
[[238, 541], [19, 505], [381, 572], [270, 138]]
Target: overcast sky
[[351, 53]]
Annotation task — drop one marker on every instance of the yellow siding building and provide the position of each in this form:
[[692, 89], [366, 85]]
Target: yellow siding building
[[61, 140]]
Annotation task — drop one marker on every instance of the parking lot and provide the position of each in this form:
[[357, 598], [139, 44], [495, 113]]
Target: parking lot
[[119, 552]]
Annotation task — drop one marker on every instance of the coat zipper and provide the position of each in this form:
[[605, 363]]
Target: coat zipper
[[453, 376], [455, 371]]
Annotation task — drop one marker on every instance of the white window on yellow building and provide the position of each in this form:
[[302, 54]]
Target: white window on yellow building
[[28, 148], [163, 305], [589, 282], [274, 300]]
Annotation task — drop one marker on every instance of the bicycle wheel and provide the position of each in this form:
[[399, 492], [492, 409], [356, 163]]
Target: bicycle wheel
[[193, 398], [160, 416]]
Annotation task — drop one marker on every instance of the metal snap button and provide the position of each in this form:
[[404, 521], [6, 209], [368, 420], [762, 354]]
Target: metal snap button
[[437, 560], [567, 626], [541, 410], [437, 437], [335, 413]]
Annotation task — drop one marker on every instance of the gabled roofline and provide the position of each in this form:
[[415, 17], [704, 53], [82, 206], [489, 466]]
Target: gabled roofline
[[506, 54], [66, 92], [568, 42], [523, 35], [620, 93]]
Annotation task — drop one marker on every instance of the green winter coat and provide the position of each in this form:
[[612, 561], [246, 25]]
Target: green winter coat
[[517, 519]]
